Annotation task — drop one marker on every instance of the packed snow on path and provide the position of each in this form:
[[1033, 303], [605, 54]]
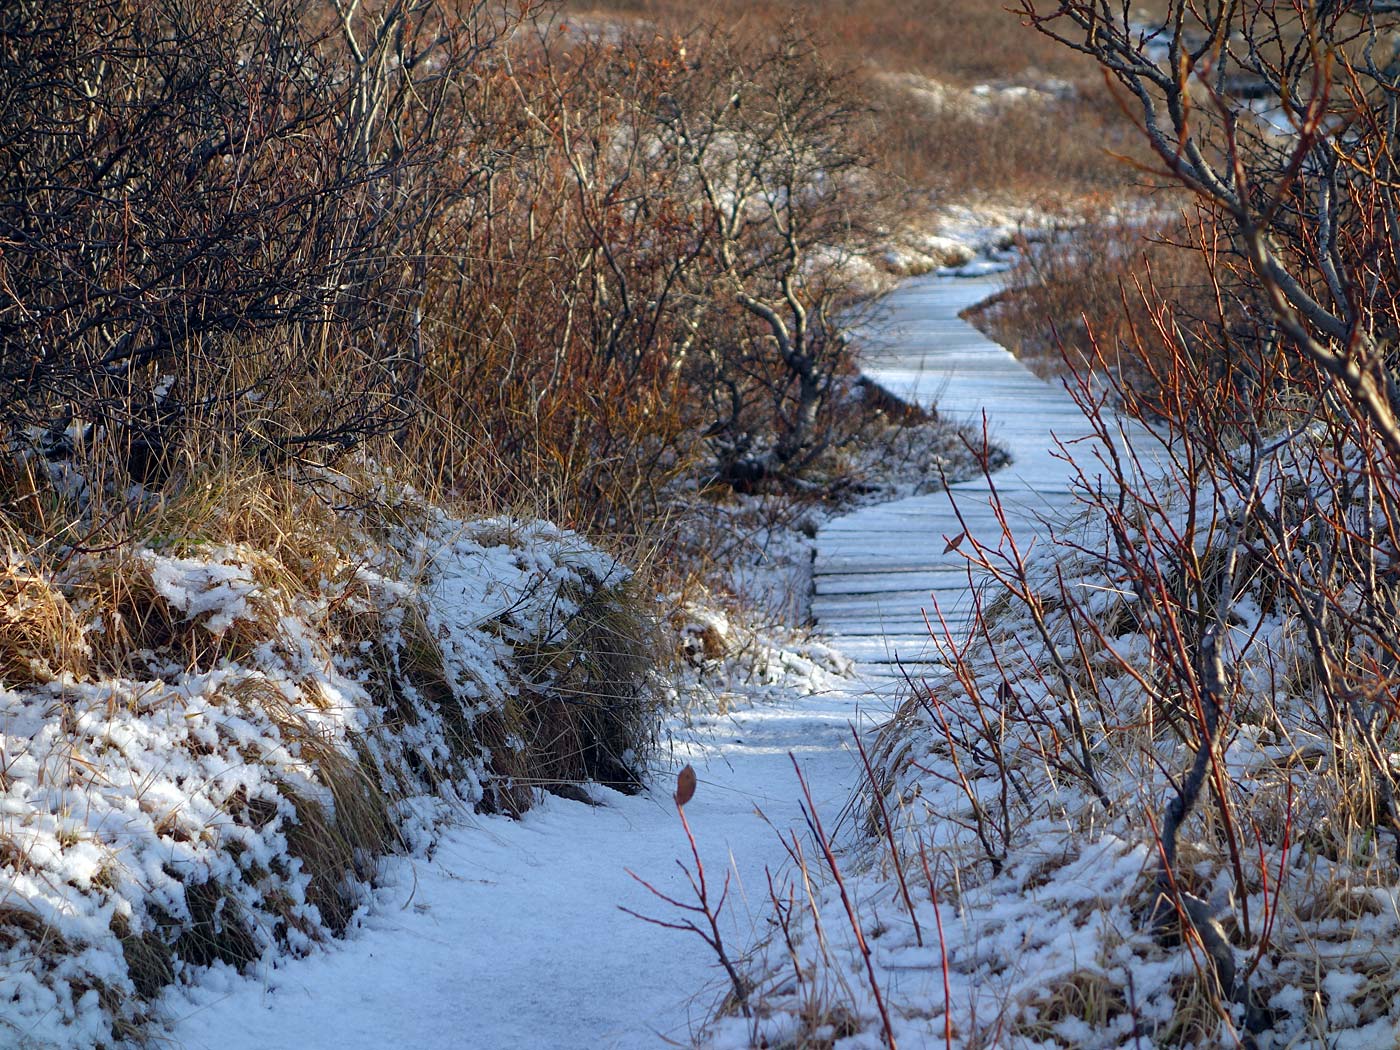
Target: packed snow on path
[[511, 936]]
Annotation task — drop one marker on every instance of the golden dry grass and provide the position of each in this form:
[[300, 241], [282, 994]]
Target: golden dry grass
[[1088, 997], [1049, 148], [1070, 300], [41, 638]]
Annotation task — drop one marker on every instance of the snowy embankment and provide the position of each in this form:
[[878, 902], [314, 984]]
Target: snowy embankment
[[207, 745], [511, 936]]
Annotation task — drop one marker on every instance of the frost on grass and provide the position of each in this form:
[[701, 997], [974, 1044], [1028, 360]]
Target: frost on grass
[[205, 747], [217, 587], [1014, 895]]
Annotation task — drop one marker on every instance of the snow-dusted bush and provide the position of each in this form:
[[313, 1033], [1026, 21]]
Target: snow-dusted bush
[[1127, 814], [212, 727], [1153, 801]]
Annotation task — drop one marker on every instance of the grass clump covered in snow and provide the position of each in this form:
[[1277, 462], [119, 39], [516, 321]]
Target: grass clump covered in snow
[[1031, 867], [220, 706]]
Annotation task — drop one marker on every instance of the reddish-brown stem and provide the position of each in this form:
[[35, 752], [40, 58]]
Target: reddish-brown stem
[[942, 951], [835, 868], [889, 836], [700, 888]]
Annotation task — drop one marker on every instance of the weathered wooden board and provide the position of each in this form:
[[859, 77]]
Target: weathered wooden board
[[838, 584], [878, 570], [849, 605]]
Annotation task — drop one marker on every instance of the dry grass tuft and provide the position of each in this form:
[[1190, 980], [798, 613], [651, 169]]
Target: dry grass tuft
[[19, 923], [139, 625], [581, 710], [339, 833], [41, 639], [150, 960], [27, 504], [1198, 1017], [1088, 997], [218, 929], [593, 718]]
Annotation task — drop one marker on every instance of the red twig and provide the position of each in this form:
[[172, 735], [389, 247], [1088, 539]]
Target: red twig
[[700, 888], [942, 951], [889, 837], [825, 843]]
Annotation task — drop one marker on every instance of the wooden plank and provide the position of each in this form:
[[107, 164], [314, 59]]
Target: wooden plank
[[910, 544], [903, 602], [855, 564], [839, 584], [890, 648], [876, 569]]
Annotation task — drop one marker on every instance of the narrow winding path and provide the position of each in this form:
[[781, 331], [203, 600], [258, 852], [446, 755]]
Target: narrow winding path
[[511, 937], [879, 570]]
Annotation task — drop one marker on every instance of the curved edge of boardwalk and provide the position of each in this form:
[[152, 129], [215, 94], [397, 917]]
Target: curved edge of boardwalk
[[879, 571]]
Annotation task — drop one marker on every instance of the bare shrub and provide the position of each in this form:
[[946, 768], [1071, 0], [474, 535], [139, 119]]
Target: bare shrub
[[183, 180], [650, 288], [1198, 674], [280, 678]]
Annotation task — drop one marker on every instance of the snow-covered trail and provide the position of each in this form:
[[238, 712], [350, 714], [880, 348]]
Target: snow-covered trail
[[880, 570], [511, 937]]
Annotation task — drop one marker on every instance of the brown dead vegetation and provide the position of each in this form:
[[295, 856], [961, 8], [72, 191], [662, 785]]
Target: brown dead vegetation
[[918, 63]]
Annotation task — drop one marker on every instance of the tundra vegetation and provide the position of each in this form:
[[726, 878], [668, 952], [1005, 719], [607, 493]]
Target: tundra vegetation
[[306, 311], [1152, 801]]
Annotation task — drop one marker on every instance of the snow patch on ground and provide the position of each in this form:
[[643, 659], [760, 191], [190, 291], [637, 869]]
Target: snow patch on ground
[[510, 935], [981, 101], [154, 804]]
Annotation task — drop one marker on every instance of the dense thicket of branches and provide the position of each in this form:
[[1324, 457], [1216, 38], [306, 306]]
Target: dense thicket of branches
[[533, 257], [179, 181], [1256, 545], [655, 281]]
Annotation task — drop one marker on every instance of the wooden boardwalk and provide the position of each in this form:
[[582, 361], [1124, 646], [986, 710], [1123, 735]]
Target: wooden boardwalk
[[881, 570]]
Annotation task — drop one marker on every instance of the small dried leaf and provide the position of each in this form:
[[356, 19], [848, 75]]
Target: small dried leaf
[[953, 543], [685, 786]]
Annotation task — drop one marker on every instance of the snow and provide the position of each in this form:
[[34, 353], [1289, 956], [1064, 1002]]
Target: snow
[[219, 585], [980, 101], [512, 934], [512, 937], [166, 792]]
